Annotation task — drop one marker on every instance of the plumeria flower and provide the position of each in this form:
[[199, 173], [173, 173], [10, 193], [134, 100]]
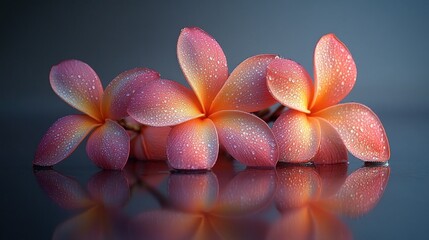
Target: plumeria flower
[[316, 128], [310, 199], [77, 84], [216, 111]]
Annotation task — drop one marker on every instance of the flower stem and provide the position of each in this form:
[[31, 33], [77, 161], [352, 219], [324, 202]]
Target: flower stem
[[131, 126]]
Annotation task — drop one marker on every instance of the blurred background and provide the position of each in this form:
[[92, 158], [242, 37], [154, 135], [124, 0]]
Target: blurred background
[[388, 40]]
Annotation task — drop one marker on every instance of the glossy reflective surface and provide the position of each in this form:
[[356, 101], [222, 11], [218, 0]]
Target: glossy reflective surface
[[292, 202]]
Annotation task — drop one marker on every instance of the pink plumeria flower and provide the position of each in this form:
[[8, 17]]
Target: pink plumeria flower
[[77, 84], [316, 128], [216, 111]]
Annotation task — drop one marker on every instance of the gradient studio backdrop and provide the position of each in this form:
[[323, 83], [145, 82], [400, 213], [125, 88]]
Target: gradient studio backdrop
[[388, 40]]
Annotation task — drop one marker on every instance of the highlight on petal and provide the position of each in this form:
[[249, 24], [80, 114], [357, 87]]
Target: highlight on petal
[[109, 188], [297, 135], [334, 72], [296, 187], [290, 84], [109, 146], [153, 142], [331, 149], [62, 138], [164, 103], [203, 63], [360, 129], [78, 85], [195, 192], [250, 191], [246, 137], [119, 92], [193, 145], [362, 190], [64, 191], [246, 88]]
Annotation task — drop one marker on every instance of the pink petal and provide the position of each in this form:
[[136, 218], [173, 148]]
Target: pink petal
[[290, 84], [193, 145], [332, 149], [334, 72], [119, 92], [250, 191], [62, 138], [246, 137], [78, 85], [64, 191], [246, 88], [362, 190], [164, 103], [109, 146], [296, 187], [328, 226], [153, 142], [193, 192], [203, 63], [360, 129], [109, 188], [297, 135]]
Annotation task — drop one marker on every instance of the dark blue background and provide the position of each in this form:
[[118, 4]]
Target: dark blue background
[[388, 40]]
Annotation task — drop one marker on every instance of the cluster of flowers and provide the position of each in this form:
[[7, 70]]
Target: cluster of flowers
[[152, 118]]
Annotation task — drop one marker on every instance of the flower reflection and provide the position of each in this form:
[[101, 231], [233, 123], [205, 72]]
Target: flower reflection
[[105, 195], [200, 209], [309, 199], [290, 202]]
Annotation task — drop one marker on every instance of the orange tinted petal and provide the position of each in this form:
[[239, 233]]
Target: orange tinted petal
[[297, 135], [119, 92], [246, 137], [203, 63], [334, 72], [164, 103], [246, 88], [290, 84], [360, 129], [62, 138], [193, 145], [332, 149], [78, 85]]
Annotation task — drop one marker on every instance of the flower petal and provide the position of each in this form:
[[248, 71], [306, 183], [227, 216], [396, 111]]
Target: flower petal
[[78, 85], [360, 129], [332, 149], [164, 103], [295, 224], [119, 92], [109, 146], [334, 72], [297, 135], [248, 192], [154, 142], [296, 187], [246, 88], [362, 190], [203, 63], [110, 188], [64, 191], [193, 145], [246, 137], [332, 177], [290, 84], [62, 138], [195, 192]]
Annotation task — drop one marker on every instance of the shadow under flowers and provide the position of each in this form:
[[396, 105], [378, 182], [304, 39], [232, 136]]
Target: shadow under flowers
[[290, 202]]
